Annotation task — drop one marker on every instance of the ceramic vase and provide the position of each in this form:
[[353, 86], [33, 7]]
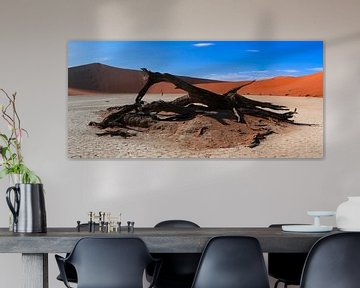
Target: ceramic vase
[[27, 204], [348, 214], [13, 179]]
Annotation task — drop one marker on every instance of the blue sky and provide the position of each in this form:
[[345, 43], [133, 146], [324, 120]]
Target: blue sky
[[222, 60]]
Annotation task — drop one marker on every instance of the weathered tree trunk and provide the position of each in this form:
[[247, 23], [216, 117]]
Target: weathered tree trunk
[[214, 101], [198, 101]]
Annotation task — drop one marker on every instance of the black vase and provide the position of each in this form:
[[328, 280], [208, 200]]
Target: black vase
[[28, 208]]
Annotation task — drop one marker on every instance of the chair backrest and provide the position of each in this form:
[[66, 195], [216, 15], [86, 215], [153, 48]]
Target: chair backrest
[[232, 262], [110, 262], [176, 224], [333, 262], [178, 269]]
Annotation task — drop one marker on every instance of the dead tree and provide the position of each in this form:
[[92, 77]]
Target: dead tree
[[197, 101]]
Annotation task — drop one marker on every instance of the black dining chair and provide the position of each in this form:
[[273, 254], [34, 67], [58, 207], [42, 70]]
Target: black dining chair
[[333, 262], [178, 269], [232, 262], [70, 271], [286, 267], [108, 263]]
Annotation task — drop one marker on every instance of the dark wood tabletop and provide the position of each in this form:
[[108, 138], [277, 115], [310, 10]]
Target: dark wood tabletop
[[158, 240]]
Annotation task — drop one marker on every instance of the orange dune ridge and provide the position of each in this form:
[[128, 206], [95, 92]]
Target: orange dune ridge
[[217, 87], [78, 92], [221, 88], [165, 87], [303, 86], [308, 86]]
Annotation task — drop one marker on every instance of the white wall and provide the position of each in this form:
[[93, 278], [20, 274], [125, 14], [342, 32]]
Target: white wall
[[33, 62]]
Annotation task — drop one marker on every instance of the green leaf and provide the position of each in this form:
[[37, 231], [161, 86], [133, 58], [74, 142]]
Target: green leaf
[[33, 178], [26, 132], [3, 151], [4, 137], [13, 156], [4, 173], [27, 175], [15, 169]]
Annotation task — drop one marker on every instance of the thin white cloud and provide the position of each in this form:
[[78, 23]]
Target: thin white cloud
[[102, 59], [230, 76], [203, 44], [253, 50], [316, 69], [243, 75], [288, 70], [252, 75]]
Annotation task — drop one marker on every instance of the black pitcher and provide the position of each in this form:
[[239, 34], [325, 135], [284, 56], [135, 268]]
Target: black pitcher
[[28, 207]]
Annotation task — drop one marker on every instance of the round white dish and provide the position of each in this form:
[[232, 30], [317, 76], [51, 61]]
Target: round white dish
[[321, 213], [306, 228]]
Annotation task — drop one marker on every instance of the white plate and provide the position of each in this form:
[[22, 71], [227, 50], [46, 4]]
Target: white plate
[[321, 213], [306, 228]]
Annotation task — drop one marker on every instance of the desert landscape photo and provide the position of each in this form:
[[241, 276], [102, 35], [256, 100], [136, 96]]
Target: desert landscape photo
[[195, 99]]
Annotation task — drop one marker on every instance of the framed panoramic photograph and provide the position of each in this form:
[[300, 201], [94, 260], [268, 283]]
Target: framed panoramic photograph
[[195, 99]]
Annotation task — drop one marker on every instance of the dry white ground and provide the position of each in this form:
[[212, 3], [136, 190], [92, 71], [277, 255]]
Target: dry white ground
[[296, 142]]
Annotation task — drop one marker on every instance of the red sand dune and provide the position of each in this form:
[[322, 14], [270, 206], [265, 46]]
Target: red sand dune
[[98, 78], [78, 92], [309, 85], [222, 88], [164, 87]]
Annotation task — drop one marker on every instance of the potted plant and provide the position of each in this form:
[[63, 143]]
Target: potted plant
[[26, 197], [12, 161]]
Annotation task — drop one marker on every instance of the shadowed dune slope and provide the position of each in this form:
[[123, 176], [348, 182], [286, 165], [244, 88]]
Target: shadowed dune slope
[[102, 78]]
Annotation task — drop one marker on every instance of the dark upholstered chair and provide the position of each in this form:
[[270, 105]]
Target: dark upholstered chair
[[178, 269], [333, 262], [286, 267], [108, 263], [69, 269], [176, 224], [232, 262]]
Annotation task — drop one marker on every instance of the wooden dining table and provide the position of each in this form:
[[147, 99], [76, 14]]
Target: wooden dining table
[[35, 247]]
